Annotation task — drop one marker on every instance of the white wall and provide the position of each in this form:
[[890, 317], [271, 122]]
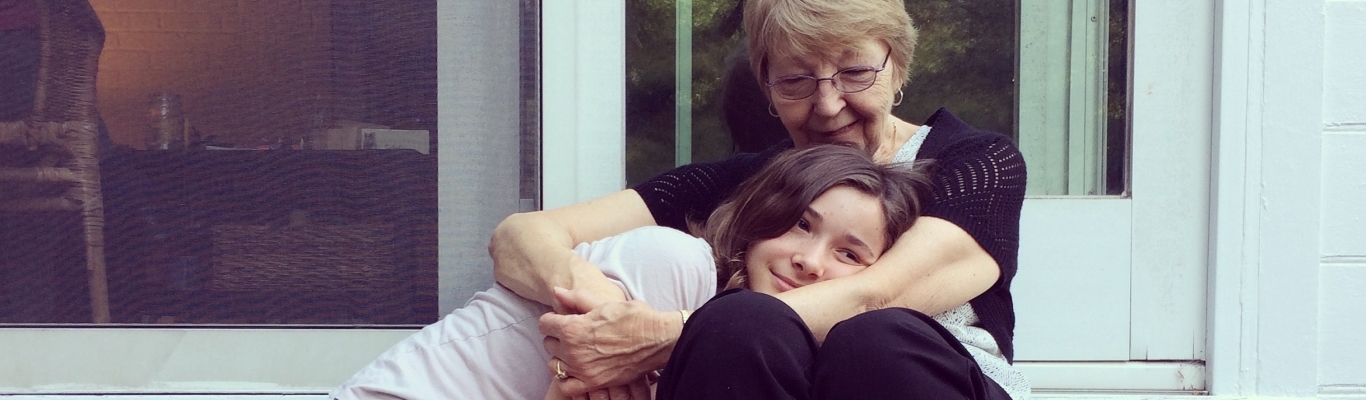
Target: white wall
[[1289, 258], [1342, 264], [1292, 112]]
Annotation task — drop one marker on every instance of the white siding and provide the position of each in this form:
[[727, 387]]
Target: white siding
[[1288, 226], [1342, 279], [1345, 92], [1344, 196], [1342, 361]]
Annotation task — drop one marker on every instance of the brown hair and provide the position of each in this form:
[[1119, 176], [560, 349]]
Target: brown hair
[[804, 28], [770, 202]]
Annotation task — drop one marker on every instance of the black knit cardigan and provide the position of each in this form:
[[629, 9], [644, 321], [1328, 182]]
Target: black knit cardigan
[[979, 180]]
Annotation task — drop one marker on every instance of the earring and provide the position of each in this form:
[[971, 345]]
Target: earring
[[900, 95], [772, 110]]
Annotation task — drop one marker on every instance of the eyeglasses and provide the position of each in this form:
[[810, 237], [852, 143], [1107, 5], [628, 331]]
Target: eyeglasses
[[848, 80]]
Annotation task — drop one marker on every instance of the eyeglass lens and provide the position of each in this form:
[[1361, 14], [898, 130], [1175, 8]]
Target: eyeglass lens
[[848, 81]]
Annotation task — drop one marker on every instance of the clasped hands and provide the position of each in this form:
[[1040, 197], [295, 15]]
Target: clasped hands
[[606, 348]]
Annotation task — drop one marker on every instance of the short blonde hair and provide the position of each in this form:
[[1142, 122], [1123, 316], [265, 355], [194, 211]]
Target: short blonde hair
[[805, 28]]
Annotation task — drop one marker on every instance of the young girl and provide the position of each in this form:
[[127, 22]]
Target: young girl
[[810, 215]]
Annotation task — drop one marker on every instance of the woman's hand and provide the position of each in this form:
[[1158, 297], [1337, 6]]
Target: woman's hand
[[614, 344], [636, 390]]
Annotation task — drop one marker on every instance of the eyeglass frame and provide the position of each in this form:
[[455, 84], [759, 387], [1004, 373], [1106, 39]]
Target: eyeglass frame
[[833, 78]]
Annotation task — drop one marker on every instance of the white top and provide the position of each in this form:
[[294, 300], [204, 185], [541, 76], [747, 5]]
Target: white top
[[912, 146], [491, 348]]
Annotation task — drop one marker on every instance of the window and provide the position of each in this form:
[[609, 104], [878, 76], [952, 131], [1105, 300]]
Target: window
[[293, 231], [218, 306]]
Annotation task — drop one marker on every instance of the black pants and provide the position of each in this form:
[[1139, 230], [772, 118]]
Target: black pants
[[747, 345]]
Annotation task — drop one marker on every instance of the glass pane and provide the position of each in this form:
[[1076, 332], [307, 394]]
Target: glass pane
[[969, 58], [326, 215], [1117, 99], [649, 88], [1072, 98], [965, 60], [650, 73]]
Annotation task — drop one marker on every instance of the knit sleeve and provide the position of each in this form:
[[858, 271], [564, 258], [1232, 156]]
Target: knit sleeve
[[980, 186], [691, 192]]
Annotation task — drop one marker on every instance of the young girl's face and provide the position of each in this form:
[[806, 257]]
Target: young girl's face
[[841, 232]]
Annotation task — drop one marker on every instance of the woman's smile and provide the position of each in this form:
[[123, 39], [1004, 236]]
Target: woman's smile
[[840, 134]]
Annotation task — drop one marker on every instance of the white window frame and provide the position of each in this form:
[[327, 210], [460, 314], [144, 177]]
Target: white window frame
[[584, 98], [1263, 311]]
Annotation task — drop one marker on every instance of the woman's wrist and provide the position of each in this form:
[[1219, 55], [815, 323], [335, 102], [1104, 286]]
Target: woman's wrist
[[586, 276], [671, 328]]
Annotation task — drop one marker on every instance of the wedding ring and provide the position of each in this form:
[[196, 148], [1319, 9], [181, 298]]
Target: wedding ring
[[559, 371]]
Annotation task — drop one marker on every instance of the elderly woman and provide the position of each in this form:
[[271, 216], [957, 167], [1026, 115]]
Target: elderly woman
[[832, 71]]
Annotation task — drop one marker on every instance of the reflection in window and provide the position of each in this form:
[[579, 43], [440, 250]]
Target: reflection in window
[[290, 230], [1072, 96], [650, 82], [970, 58]]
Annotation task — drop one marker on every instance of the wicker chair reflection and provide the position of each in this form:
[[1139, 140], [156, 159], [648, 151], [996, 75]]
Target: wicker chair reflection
[[63, 125]]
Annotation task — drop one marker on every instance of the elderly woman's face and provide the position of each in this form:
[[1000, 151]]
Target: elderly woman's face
[[829, 115]]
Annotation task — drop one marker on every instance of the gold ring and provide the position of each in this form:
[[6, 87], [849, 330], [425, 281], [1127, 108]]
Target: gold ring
[[559, 372]]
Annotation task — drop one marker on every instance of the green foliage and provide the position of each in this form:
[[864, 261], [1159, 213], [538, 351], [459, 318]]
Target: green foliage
[[965, 60]]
